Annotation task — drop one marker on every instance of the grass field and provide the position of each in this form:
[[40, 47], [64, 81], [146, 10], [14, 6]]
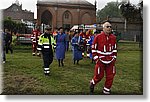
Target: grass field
[[23, 74]]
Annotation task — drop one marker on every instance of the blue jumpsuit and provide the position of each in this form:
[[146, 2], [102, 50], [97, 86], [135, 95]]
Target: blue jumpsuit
[[77, 54], [60, 47]]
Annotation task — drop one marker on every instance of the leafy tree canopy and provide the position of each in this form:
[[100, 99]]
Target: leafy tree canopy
[[111, 10], [131, 12], [12, 25]]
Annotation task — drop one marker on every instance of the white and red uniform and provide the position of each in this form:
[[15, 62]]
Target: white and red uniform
[[87, 38], [104, 52], [34, 38]]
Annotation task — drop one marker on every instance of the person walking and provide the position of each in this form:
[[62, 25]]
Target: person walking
[[8, 41], [3, 47], [46, 44], [90, 41], [104, 51], [60, 46], [34, 38], [67, 39], [76, 42]]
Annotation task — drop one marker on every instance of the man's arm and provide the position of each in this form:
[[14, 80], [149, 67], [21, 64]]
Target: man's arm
[[94, 50]]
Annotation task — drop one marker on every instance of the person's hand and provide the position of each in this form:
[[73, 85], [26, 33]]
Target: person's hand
[[98, 61], [77, 44]]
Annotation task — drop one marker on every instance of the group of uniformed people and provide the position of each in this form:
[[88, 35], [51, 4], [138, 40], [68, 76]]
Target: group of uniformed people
[[49, 42], [101, 48]]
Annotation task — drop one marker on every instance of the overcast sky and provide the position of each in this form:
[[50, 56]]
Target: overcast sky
[[31, 4]]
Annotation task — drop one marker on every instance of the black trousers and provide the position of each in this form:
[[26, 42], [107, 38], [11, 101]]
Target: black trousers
[[47, 58], [3, 53], [8, 47]]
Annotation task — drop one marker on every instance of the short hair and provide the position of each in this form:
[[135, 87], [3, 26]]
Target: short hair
[[6, 29], [67, 30], [106, 21], [60, 28], [48, 28], [75, 33]]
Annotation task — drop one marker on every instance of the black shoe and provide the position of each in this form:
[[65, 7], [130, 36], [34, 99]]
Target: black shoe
[[106, 92], [59, 63], [33, 54], [91, 88], [47, 74], [77, 62], [62, 64]]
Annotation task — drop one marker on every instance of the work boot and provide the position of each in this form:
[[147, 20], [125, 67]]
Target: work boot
[[33, 54], [91, 88], [106, 91], [47, 74]]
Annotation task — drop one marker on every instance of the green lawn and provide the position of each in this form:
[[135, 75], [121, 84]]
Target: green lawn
[[23, 74]]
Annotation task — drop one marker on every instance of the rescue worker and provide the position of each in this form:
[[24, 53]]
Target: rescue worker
[[46, 44], [34, 38], [83, 35], [104, 51], [90, 41], [77, 52], [87, 47], [60, 46], [55, 32]]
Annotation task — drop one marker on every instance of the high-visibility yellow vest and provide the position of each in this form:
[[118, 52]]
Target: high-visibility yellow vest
[[44, 42]]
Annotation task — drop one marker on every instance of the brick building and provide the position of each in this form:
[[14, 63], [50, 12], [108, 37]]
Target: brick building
[[16, 13], [65, 13], [130, 31]]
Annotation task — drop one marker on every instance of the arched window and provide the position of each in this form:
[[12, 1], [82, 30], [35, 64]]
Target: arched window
[[66, 15], [46, 17], [67, 19]]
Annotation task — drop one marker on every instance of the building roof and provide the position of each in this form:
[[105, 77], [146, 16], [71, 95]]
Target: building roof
[[16, 7], [70, 2]]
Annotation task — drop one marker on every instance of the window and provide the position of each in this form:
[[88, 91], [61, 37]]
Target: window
[[14, 8], [66, 26], [66, 15]]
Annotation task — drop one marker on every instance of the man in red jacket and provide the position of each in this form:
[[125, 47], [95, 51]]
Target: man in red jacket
[[104, 51]]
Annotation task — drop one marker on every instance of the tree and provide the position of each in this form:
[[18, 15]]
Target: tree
[[13, 26], [111, 10], [8, 23], [130, 12]]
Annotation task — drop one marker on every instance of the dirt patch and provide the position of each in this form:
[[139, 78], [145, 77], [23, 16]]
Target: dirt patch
[[20, 84]]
